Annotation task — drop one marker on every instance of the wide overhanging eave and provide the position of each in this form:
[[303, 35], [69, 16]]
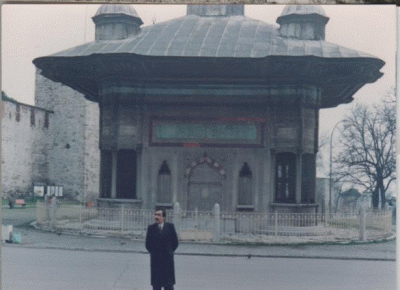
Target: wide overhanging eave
[[339, 78]]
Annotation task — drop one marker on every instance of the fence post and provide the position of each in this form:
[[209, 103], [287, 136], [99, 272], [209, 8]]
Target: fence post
[[363, 224], [53, 213], [196, 218], [80, 213], [122, 217], [39, 213], [326, 225], [276, 222], [176, 218], [217, 223], [46, 208]]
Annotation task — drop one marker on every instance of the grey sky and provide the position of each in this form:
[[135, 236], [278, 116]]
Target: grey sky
[[30, 31]]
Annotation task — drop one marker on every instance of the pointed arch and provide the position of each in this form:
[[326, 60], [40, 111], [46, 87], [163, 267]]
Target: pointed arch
[[212, 163], [245, 194]]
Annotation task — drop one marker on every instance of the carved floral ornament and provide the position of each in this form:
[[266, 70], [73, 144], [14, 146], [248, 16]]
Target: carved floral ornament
[[212, 163]]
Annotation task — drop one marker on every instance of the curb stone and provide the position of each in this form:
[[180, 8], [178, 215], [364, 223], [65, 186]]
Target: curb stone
[[384, 249]]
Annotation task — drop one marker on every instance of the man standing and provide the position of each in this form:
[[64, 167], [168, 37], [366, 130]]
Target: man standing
[[161, 242]]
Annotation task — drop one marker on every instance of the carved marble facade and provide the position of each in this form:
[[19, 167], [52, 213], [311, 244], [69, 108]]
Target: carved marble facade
[[213, 107]]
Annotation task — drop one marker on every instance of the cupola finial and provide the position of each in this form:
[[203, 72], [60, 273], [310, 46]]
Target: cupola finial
[[303, 22], [114, 22]]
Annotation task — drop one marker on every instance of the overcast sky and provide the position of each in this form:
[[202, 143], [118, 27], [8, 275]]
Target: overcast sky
[[30, 31]]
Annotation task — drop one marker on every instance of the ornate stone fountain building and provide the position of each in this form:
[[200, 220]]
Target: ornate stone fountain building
[[212, 107]]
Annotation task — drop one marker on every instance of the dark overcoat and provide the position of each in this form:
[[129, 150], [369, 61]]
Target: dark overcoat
[[161, 245]]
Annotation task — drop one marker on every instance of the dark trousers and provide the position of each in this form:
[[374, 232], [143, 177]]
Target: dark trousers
[[165, 287]]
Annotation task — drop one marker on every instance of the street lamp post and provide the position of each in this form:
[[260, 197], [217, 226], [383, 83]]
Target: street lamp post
[[330, 167]]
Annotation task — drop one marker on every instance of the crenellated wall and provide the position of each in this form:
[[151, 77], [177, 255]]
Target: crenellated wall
[[25, 147], [55, 142]]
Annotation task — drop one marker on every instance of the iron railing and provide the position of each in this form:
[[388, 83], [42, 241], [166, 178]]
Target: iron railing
[[209, 226]]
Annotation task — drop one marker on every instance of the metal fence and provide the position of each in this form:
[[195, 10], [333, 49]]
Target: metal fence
[[216, 226]]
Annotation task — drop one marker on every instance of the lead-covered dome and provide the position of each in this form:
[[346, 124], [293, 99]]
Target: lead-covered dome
[[218, 43], [215, 10], [116, 22], [303, 10], [303, 22], [116, 9]]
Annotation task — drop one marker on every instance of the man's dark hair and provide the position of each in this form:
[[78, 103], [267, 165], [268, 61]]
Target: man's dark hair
[[164, 212]]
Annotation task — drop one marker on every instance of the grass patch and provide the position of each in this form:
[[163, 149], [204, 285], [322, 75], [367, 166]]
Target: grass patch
[[31, 201], [70, 202]]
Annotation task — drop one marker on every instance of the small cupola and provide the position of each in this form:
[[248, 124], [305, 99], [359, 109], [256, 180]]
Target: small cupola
[[115, 22], [306, 22], [215, 10]]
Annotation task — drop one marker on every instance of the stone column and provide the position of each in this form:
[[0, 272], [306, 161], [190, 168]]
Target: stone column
[[234, 184], [114, 146], [113, 174], [176, 219], [299, 165], [139, 169], [271, 177], [145, 172], [174, 177], [217, 223]]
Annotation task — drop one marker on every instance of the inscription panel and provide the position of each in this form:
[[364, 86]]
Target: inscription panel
[[205, 132]]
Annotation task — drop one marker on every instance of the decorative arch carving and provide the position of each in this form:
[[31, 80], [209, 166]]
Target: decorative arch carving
[[212, 163]]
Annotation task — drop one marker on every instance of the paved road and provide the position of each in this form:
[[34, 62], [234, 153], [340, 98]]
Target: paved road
[[26, 268], [45, 260]]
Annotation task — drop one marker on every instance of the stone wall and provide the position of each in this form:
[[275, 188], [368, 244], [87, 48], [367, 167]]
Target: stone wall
[[92, 151], [54, 142], [25, 147], [74, 154]]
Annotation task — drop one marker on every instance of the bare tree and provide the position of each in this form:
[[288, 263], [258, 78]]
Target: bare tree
[[368, 139]]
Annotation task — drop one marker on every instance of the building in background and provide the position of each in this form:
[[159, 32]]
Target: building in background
[[25, 146], [212, 107], [50, 148]]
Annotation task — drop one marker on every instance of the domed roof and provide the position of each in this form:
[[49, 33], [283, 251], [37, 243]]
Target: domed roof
[[116, 9], [226, 47], [216, 10], [116, 22], [194, 36], [303, 10], [303, 22]]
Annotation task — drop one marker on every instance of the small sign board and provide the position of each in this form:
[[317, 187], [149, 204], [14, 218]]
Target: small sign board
[[38, 190], [53, 190]]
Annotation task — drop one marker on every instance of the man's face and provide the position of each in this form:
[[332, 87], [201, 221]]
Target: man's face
[[159, 217]]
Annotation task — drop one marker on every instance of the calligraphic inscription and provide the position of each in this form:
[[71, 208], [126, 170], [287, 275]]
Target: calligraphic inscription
[[201, 132]]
